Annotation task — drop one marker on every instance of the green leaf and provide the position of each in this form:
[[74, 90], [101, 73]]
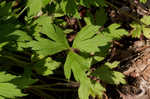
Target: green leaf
[[98, 90], [46, 66], [23, 82], [146, 30], [89, 39], [46, 47], [87, 3], [9, 90], [105, 73], [146, 20], [89, 19], [84, 89], [77, 64], [5, 8], [101, 3], [4, 77], [67, 31], [86, 40], [114, 31], [102, 54], [45, 2], [2, 45], [100, 17], [88, 88], [69, 7], [34, 7], [6, 29], [55, 41], [2, 97], [143, 1], [52, 31], [137, 29], [21, 36], [10, 33], [112, 65]]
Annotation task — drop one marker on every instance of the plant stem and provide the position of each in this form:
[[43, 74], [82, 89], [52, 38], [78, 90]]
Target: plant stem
[[51, 85], [21, 12], [56, 89], [19, 62], [41, 93]]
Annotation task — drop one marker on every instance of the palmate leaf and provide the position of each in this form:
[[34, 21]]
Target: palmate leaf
[[5, 8], [79, 65], [146, 30], [138, 29], [12, 36], [69, 7], [98, 90], [55, 41], [86, 40], [46, 47], [22, 36], [6, 77], [8, 89], [136, 32], [100, 17], [89, 19], [45, 2], [114, 32], [23, 82], [46, 66], [6, 29], [35, 6], [88, 88], [146, 20], [105, 73], [87, 3], [90, 40]]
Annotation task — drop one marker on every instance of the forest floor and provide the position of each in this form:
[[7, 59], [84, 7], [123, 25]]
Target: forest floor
[[135, 65], [133, 54]]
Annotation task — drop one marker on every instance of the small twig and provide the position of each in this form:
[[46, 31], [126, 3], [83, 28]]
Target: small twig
[[143, 48]]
